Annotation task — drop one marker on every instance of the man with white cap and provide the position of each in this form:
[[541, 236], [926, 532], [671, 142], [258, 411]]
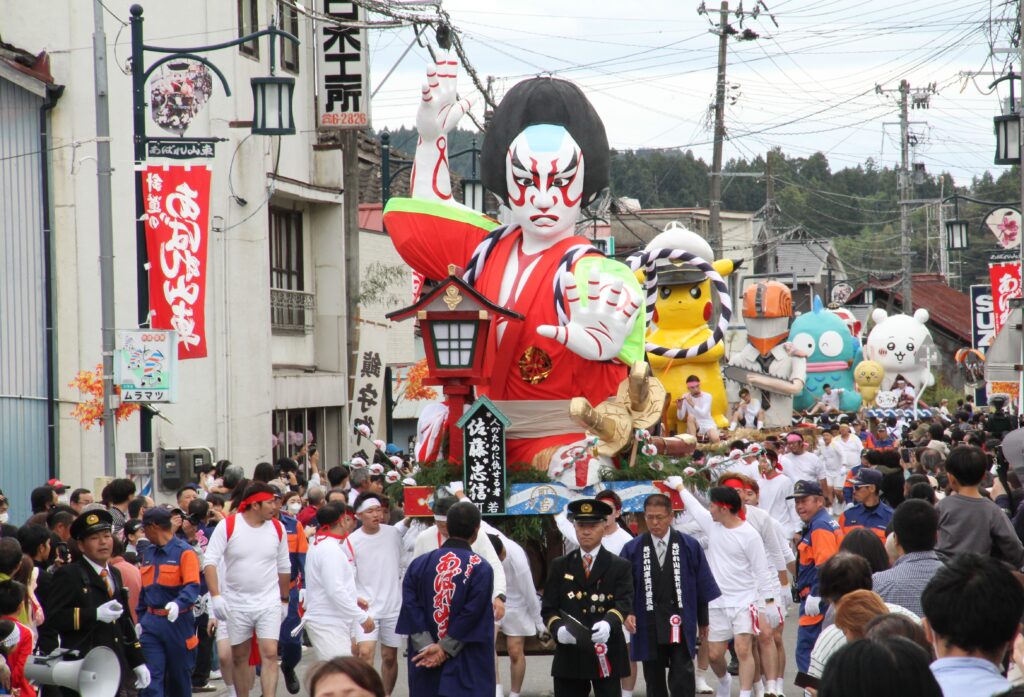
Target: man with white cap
[[376, 550]]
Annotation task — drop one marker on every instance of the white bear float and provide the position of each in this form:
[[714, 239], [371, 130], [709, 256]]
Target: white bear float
[[901, 343]]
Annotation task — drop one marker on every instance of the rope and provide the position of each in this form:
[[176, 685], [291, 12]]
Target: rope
[[647, 261]]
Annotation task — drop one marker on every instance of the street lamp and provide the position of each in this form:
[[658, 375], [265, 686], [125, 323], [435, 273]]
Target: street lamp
[[956, 234], [272, 106], [456, 322], [272, 115], [1007, 127]]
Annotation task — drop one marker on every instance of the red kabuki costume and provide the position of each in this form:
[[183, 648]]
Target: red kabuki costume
[[521, 365]]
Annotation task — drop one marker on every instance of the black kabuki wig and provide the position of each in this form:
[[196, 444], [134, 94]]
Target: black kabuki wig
[[545, 100]]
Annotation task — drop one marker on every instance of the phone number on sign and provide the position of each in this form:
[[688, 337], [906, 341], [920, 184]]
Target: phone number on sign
[[144, 396], [353, 119]]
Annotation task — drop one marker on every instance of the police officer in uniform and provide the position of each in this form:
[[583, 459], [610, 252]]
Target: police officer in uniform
[[87, 604], [170, 587], [588, 594]]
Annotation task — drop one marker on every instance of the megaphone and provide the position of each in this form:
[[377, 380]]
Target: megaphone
[[96, 675]]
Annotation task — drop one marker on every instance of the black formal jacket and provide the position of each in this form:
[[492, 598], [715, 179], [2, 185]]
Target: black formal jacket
[[70, 606], [606, 595]]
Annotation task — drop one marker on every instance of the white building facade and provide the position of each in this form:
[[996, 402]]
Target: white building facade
[[275, 277]]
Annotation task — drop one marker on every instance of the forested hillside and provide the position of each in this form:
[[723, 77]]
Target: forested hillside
[[855, 206]]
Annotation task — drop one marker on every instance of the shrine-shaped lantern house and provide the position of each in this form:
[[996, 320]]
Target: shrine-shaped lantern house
[[455, 321]]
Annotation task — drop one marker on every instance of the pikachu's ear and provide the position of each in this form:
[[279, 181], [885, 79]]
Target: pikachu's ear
[[724, 266]]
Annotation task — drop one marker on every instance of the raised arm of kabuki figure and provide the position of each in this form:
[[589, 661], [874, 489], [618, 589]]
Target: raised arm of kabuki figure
[[439, 112]]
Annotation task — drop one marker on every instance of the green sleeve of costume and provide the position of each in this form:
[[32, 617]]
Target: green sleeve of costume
[[633, 348], [440, 209]]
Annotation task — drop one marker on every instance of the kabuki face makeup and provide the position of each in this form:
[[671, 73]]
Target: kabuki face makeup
[[544, 175]]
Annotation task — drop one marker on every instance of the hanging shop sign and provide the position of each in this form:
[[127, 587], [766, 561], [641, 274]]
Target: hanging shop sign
[[1005, 225], [177, 200], [146, 365], [367, 403], [343, 67], [1005, 278]]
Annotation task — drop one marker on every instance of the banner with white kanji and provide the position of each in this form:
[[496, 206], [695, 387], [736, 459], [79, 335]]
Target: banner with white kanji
[[366, 406]]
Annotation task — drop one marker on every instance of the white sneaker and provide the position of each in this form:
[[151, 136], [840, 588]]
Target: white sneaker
[[215, 675], [702, 686], [724, 686]]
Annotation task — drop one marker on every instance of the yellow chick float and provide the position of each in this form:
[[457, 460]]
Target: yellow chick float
[[679, 277], [868, 377]]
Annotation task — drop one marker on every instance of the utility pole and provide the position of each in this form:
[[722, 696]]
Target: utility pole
[[904, 193], [715, 196], [919, 99], [350, 182], [769, 215], [724, 29], [106, 228]]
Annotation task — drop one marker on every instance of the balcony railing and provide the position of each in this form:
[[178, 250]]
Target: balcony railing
[[291, 311]]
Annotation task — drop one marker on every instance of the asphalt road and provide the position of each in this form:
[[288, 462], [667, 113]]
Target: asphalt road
[[538, 669]]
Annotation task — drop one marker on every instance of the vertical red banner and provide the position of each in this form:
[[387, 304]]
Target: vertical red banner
[[1005, 285], [177, 216]]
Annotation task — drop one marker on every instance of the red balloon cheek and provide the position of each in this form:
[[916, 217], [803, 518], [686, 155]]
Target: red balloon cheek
[[654, 319], [707, 311]]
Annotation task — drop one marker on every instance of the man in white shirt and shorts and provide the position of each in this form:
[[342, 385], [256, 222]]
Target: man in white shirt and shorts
[[376, 550], [694, 409], [251, 548], [333, 606]]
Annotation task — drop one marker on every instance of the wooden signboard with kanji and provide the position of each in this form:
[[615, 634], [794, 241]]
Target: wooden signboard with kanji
[[483, 438]]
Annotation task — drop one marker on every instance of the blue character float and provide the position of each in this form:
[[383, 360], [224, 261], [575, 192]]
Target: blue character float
[[832, 352]]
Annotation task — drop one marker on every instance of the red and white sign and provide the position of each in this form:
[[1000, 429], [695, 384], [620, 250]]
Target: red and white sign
[[1005, 285], [177, 214]]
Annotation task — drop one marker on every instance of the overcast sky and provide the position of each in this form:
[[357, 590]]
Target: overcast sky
[[808, 85]]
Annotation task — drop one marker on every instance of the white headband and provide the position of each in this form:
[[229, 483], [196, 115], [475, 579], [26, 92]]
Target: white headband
[[440, 518], [368, 504]]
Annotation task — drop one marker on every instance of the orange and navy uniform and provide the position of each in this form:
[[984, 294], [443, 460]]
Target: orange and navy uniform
[[875, 519], [820, 540], [290, 647], [170, 573], [297, 548]]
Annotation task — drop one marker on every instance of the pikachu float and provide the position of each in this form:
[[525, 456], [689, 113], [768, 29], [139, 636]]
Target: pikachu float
[[680, 340]]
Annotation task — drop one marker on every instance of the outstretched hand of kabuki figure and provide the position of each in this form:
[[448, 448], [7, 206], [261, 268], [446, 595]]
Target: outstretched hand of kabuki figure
[[597, 331], [440, 111]]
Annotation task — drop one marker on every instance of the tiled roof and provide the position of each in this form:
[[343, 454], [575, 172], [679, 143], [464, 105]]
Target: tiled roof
[[947, 307]]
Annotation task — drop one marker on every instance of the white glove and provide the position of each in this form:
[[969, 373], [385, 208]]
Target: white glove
[[600, 632], [598, 331], [109, 611], [773, 613], [219, 606], [456, 487], [172, 611], [542, 632], [284, 611], [674, 482], [138, 630], [141, 677], [565, 636], [812, 605]]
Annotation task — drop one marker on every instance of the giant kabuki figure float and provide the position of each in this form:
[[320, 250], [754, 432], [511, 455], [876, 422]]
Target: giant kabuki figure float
[[545, 155]]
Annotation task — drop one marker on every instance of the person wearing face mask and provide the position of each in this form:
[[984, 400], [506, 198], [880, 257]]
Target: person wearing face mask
[[291, 646], [4, 505]]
